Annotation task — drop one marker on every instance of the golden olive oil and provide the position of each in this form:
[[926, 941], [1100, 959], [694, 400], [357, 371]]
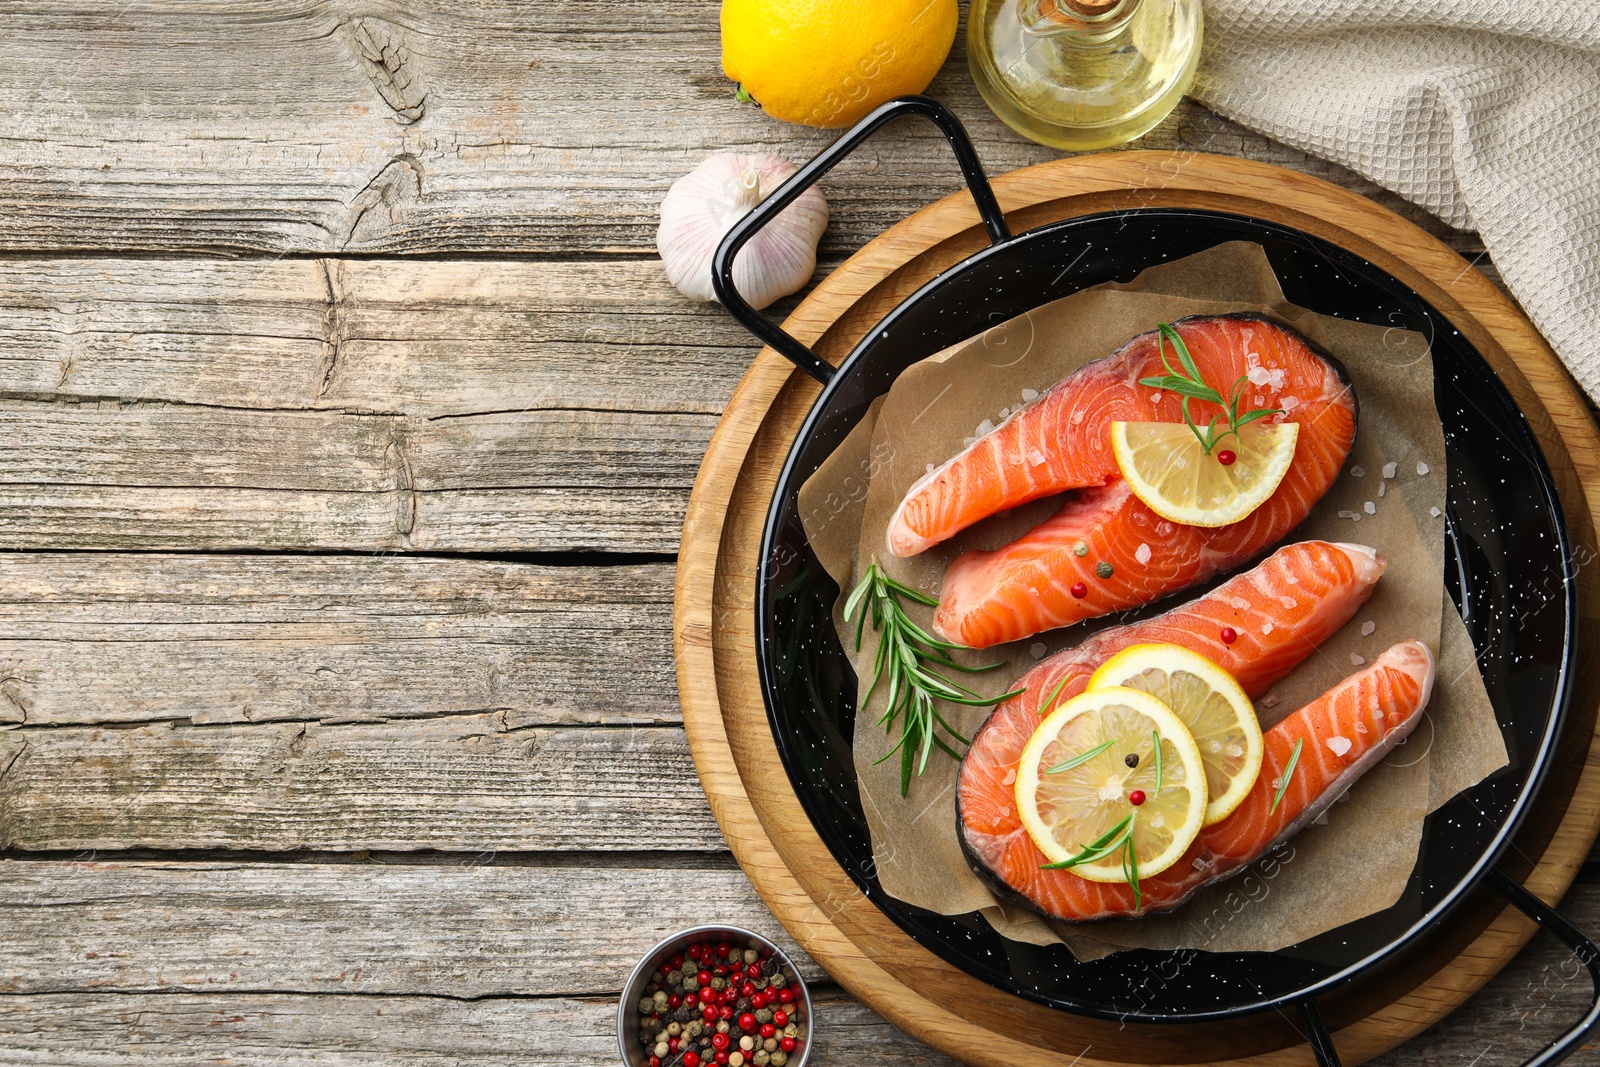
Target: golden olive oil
[[1083, 74]]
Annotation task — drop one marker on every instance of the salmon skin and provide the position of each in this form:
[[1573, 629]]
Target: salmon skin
[[1061, 441], [1281, 610]]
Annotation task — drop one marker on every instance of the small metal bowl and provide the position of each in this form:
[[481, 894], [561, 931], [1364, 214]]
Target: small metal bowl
[[634, 1054]]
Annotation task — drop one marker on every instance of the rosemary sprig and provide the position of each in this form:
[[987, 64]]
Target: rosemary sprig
[[911, 659], [1155, 739], [1101, 847], [1191, 386], [1117, 839], [1283, 783], [1081, 758]]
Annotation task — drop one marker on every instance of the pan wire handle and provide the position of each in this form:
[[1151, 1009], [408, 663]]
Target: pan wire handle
[[722, 262], [1317, 1035], [1547, 918], [1584, 949]]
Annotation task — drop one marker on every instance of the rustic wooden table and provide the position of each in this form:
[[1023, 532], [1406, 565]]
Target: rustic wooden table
[[350, 423]]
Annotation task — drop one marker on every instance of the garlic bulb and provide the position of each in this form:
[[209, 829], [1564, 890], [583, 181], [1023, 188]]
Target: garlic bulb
[[704, 204]]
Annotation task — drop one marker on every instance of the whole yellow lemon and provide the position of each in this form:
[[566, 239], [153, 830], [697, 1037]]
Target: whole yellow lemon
[[828, 62]]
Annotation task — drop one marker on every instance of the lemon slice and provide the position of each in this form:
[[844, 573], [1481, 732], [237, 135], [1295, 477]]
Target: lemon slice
[[1082, 769], [1167, 468], [1211, 705]]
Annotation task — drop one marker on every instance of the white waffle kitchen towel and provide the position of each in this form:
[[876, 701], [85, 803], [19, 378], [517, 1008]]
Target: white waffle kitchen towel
[[1485, 112]]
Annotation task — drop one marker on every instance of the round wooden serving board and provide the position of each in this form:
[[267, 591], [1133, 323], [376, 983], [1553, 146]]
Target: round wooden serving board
[[715, 619]]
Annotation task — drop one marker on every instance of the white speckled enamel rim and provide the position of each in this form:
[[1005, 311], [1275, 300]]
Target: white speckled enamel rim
[[627, 1008]]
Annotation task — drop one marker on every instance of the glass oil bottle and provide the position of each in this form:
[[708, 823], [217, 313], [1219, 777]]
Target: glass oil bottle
[[1083, 74]]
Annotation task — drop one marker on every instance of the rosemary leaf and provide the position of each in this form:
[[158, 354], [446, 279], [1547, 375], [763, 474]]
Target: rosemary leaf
[[856, 597], [1155, 739], [1130, 867], [1183, 387], [1172, 337], [1251, 416], [1051, 699], [905, 590], [1081, 758], [1283, 783]]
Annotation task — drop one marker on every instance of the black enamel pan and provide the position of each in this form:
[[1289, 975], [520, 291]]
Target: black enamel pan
[[1509, 567]]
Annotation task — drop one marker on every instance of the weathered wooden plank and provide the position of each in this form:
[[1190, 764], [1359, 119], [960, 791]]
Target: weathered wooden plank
[[107, 964], [457, 782], [549, 519], [295, 1030], [423, 691], [354, 405], [217, 639], [455, 931], [400, 337], [104, 475], [407, 126]]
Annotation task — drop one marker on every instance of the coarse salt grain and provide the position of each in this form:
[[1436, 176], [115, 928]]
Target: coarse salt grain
[[1346, 514], [1367, 628], [1382, 488], [1358, 472], [1036, 650], [1267, 627], [1370, 508], [1435, 512], [1029, 395], [985, 427], [1271, 700], [1356, 659], [1422, 468], [1389, 469], [1338, 745], [1142, 554]]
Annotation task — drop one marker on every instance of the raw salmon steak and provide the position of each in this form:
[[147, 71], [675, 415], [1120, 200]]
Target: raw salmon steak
[[1105, 540], [1342, 734], [1281, 610]]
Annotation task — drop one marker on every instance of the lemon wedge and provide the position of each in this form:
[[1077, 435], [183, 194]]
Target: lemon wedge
[[1209, 701], [1168, 469], [1090, 781]]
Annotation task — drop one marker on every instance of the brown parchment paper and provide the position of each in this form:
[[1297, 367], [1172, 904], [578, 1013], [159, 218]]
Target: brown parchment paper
[[1356, 862]]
